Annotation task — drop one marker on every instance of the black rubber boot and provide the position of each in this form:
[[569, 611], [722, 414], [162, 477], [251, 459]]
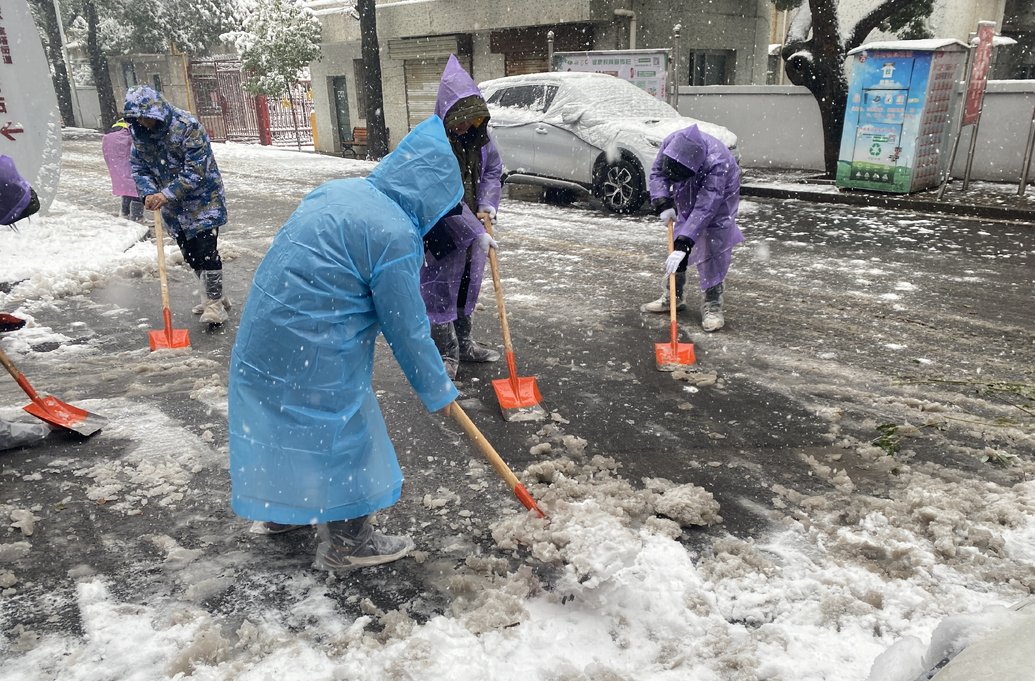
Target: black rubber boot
[[448, 346], [471, 350]]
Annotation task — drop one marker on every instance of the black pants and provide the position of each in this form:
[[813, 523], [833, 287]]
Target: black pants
[[201, 252]]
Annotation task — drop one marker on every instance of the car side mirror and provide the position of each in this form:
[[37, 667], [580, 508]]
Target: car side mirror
[[570, 114]]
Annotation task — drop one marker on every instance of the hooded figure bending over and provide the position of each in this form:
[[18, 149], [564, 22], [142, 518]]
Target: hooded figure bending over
[[696, 181], [308, 444], [456, 249], [175, 172]]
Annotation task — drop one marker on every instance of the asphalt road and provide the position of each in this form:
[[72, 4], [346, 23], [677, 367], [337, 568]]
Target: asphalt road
[[828, 308]]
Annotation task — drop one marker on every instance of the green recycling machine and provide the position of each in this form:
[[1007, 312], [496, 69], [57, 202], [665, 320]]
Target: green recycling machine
[[901, 97]]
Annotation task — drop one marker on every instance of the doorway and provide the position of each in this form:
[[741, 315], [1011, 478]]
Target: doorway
[[341, 107]]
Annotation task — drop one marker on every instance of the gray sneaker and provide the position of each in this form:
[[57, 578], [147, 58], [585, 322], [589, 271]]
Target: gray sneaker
[[711, 309], [377, 550], [711, 316]]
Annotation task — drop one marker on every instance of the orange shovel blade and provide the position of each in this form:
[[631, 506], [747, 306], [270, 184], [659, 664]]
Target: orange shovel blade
[[669, 355], [524, 394], [169, 337], [178, 338], [56, 412]]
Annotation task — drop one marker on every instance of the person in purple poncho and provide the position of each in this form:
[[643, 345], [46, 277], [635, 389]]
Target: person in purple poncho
[[17, 200], [456, 248], [116, 146], [695, 181]]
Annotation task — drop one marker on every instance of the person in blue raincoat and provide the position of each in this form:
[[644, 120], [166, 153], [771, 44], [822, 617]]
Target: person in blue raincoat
[[175, 172], [308, 444], [456, 250]]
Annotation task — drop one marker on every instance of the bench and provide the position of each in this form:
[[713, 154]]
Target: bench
[[359, 139]]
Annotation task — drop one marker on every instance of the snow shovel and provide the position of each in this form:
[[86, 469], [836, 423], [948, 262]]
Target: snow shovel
[[672, 355], [519, 398], [489, 453], [53, 410], [168, 337]]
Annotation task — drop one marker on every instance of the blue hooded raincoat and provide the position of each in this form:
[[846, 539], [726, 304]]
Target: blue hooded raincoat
[[440, 279], [175, 158], [308, 443], [706, 204]]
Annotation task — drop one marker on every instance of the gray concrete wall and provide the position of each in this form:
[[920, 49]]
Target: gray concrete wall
[[780, 127], [168, 66], [777, 125]]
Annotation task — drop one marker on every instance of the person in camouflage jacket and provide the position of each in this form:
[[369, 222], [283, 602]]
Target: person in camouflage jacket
[[175, 171]]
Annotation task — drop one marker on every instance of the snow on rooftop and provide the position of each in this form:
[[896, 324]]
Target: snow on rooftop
[[931, 44]]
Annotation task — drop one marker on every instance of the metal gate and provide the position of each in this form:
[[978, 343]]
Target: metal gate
[[223, 106], [291, 119], [229, 113]]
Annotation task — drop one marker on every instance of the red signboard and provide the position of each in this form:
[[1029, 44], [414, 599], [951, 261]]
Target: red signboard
[[979, 72]]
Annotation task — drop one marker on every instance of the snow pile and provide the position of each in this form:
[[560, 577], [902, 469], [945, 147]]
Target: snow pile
[[72, 251]]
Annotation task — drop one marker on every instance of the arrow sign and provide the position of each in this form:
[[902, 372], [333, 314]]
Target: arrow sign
[[7, 131]]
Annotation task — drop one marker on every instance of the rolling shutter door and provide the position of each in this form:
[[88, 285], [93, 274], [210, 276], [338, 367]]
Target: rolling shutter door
[[522, 64], [422, 79]]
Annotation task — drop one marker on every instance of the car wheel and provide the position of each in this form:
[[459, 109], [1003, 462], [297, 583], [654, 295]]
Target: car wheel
[[620, 186]]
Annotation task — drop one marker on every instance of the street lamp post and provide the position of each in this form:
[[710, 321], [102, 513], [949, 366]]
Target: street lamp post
[[76, 109]]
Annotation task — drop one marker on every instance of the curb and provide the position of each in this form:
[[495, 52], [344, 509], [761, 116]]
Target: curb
[[880, 201]]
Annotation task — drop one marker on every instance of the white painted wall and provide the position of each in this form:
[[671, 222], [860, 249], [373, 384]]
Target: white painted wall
[[780, 127]]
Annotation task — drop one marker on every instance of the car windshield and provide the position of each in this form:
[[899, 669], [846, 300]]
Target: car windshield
[[614, 98]]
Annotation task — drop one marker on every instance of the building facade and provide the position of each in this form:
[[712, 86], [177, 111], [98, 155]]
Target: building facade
[[721, 42]]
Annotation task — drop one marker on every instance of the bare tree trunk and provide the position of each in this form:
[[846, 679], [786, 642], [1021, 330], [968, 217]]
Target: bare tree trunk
[[377, 133], [46, 12], [99, 66]]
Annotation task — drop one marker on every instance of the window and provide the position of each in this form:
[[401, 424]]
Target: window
[[129, 73], [532, 97], [361, 78], [156, 79], [708, 68]]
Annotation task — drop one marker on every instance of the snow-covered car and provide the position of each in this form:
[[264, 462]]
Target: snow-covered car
[[569, 130]]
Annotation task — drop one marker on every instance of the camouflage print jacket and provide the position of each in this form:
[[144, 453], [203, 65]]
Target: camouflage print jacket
[[175, 158]]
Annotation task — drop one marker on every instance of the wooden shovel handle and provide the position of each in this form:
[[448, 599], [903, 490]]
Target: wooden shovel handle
[[671, 279], [487, 451], [17, 376], [160, 240], [487, 221]]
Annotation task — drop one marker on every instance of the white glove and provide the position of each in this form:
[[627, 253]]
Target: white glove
[[491, 211], [485, 242], [673, 260], [666, 215]]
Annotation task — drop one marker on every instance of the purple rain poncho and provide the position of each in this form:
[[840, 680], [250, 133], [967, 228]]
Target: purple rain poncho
[[14, 192], [440, 279], [706, 204], [116, 147]]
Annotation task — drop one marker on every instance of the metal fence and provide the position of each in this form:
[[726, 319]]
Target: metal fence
[[291, 118]]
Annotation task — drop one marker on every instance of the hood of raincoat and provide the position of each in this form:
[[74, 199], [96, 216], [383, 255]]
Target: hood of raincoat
[[456, 84], [688, 147], [14, 191], [422, 175], [143, 102]]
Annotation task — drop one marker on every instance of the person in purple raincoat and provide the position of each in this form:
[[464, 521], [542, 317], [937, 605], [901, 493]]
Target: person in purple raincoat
[[116, 146], [456, 247], [695, 181]]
